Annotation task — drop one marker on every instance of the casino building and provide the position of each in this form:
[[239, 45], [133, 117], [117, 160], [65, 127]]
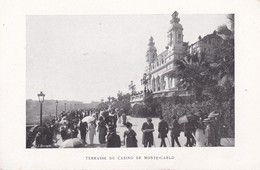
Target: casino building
[[160, 72]]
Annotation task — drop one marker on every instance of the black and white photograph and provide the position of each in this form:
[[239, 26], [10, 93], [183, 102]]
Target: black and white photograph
[[123, 85], [100, 81]]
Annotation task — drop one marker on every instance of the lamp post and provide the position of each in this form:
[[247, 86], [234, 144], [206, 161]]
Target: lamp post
[[65, 106], [41, 100], [56, 108]]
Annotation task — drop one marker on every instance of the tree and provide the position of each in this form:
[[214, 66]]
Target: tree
[[119, 96], [123, 102], [103, 106], [225, 54], [193, 73], [224, 64]]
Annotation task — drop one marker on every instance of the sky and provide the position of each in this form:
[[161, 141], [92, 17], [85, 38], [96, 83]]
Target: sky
[[90, 57]]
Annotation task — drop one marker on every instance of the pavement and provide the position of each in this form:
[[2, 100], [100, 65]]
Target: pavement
[[137, 125]]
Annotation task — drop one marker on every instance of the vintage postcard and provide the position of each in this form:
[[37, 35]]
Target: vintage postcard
[[113, 88]]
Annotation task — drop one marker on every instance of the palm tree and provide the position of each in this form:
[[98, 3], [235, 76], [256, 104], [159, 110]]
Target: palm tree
[[225, 54], [193, 73]]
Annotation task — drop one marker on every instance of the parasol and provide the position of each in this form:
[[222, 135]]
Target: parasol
[[72, 143], [88, 119], [34, 128], [187, 118]]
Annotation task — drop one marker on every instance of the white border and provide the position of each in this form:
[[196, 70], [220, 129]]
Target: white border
[[13, 154]]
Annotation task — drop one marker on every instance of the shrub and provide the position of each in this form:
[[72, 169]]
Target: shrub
[[169, 109]]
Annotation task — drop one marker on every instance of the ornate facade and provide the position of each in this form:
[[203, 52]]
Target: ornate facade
[[160, 76], [160, 68]]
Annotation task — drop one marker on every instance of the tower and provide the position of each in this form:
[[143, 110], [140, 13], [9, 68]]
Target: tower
[[151, 53], [175, 35], [151, 57]]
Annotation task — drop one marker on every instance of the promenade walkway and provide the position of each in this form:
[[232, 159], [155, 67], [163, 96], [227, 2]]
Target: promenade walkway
[[137, 125]]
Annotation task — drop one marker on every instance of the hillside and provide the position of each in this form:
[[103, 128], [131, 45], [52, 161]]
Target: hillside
[[49, 108]]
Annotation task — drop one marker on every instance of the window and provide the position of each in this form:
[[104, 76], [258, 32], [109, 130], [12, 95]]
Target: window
[[179, 36]]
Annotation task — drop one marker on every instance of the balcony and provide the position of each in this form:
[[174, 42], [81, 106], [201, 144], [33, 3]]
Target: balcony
[[137, 98], [171, 92]]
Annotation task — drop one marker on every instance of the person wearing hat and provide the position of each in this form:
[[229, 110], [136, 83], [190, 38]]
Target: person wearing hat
[[217, 125], [188, 130], [102, 130], [175, 132], [123, 114], [199, 134], [163, 129], [113, 140], [91, 131], [147, 130], [111, 120], [130, 136], [118, 114], [209, 133], [83, 130]]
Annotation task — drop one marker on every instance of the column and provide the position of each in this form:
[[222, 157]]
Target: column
[[166, 80], [162, 83]]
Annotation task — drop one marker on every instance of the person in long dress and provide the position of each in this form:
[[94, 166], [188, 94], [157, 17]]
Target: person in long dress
[[92, 131], [199, 135], [148, 129], [209, 133], [119, 114], [102, 130], [123, 117], [130, 136]]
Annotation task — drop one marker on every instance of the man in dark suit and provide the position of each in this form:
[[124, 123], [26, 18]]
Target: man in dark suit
[[148, 130], [163, 129], [83, 130]]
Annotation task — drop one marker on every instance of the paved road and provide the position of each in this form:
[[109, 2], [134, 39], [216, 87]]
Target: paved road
[[137, 124]]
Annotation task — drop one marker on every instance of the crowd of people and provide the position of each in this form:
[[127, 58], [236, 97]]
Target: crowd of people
[[199, 132], [74, 125], [82, 124]]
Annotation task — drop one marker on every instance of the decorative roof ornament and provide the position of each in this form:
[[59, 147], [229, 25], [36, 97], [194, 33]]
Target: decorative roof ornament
[[151, 43], [175, 18]]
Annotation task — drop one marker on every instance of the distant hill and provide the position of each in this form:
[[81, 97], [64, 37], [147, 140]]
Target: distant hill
[[49, 108]]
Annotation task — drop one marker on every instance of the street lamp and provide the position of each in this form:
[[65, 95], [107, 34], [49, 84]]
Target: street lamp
[[56, 108], [65, 106], [41, 100]]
